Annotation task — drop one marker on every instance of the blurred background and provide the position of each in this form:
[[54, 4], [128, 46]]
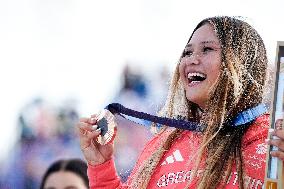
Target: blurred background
[[64, 59]]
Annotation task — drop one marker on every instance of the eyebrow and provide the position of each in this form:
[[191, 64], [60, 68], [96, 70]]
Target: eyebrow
[[204, 42]]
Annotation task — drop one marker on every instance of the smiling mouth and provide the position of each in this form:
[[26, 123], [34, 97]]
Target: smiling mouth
[[195, 78]]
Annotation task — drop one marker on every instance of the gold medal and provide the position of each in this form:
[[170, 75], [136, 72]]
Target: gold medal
[[107, 124]]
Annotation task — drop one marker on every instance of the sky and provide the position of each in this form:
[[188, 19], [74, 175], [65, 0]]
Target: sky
[[61, 49]]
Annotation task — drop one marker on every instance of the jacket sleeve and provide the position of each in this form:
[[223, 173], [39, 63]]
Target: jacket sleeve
[[254, 152], [104, 176]]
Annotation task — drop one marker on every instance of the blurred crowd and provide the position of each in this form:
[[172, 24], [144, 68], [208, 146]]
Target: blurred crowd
[[47, 132]]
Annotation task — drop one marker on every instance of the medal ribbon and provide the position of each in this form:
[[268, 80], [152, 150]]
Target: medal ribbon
[[242, 118]]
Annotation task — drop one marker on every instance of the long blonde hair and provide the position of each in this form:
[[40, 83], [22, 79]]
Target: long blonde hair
[[239, 87]]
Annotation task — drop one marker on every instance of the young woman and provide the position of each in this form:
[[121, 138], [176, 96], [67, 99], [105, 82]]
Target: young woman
[[219, 79], [66, 174]]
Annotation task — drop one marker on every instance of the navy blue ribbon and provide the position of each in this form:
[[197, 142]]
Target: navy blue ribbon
[[242, 118]]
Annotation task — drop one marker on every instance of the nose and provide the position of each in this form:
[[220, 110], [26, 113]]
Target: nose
[[193, 59]]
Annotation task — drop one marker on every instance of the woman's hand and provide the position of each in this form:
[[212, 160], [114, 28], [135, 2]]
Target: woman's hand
[[94, 152], [278, 143]]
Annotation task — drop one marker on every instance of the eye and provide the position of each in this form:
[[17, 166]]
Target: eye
[[207, 49], [187, 53]]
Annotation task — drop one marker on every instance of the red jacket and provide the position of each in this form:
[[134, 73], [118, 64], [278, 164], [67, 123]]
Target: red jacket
[[174, 169]]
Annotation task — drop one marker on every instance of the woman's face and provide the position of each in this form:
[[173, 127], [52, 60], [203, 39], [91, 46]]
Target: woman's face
[[64, 180], [200, 65]]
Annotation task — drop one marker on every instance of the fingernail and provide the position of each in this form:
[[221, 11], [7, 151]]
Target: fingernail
[[98, 130], [271, 130], [94, 127], [93, 120]]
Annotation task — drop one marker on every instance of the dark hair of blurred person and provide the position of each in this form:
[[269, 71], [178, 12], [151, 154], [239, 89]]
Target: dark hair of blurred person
[[66, 174]]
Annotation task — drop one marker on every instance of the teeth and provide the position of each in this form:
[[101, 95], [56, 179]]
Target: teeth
[[195, 82], [190, 75]]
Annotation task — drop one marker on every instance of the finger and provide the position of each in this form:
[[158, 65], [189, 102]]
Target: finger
[[93, 120], [279, 133], [87, 138], [94, 116], [81, 132], [277, 142], [89, 120], [84, 119], [278, 154], [86, 127], [94, 134]]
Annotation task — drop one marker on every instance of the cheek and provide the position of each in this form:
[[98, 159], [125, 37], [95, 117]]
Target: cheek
[[215, 71]]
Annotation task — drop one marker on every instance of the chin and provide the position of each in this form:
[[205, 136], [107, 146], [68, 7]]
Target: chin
[[195, 99]]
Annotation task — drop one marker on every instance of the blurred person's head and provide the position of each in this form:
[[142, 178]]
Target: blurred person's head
[[133, 80], [66, 174]]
